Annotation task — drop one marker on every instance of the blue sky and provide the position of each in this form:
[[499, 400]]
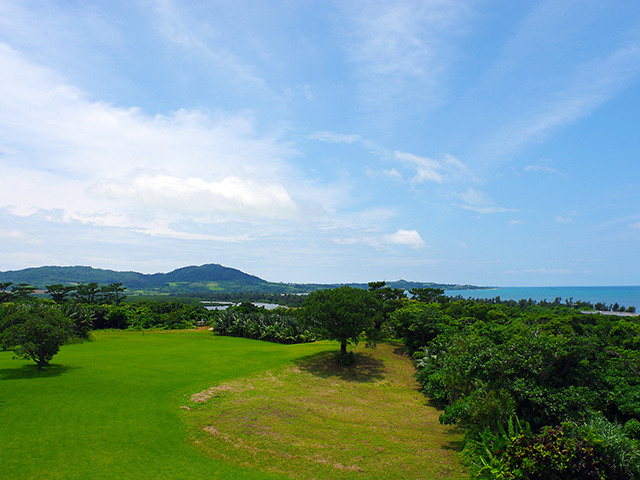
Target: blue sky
[[483, 142]]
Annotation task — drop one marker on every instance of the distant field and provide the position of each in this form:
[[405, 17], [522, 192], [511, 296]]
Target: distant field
[[112, 408]]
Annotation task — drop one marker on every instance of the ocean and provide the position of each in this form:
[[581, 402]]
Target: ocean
[[627, 296]]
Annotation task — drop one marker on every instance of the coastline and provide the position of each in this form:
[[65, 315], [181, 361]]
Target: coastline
[[606, 312], [629, 296]]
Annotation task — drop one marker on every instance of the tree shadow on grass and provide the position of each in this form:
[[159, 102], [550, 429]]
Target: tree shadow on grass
[[325, 364], [456, 444], [31, 371]]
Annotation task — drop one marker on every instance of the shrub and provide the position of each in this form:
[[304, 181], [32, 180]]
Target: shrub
[[611, 440], [555, 454]]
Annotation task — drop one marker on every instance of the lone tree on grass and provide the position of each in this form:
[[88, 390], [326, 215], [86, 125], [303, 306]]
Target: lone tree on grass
[[35, 332], [343, 314]]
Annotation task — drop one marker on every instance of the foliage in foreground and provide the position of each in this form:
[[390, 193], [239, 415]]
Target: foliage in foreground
[[548, 366], [593, 450]]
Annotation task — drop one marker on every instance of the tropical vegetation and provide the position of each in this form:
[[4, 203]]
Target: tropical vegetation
[[541, 389], [551, 369]]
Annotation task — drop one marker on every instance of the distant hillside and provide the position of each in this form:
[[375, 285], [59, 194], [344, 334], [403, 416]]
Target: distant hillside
[[187, 279], [193, 279]]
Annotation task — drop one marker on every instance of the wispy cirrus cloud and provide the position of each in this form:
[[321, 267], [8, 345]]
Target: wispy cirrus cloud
[[428, 169], [331, 137], [480, 202], [559, 86], [209, 41], [543, 270], [401, 50], [543, 168], [552, 271]]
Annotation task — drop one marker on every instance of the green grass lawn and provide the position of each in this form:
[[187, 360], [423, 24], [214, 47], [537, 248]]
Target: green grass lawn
[[111, 408], [315, 419]]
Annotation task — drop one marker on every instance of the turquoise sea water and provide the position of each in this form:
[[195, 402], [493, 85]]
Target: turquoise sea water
[[627, 296]]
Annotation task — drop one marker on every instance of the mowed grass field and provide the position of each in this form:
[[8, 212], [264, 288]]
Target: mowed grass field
[[113, 408]]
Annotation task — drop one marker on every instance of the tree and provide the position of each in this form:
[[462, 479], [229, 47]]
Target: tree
[[390, 299], [22, 290], [4, 295], [343, 314], [36, 332], [59, 293], [428, 295], [113, 292], [87, 293]]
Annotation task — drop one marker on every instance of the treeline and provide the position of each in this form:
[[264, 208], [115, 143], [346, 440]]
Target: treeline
[[557, 302], [91, 293], [103, 307], [278, 327], [542, 391], [284, 299]]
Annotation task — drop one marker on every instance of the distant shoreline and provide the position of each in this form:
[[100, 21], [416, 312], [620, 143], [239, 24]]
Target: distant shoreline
[[628, 296], [607, 312]]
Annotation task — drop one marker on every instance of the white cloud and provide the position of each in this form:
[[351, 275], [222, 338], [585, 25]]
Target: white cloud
[[241, 198], [428, 169], [541, 270], [401, 237], [209, 42], [129, 164], [635, 225], [575, 95], [393, 173], [478, 201], [541, 168], [563, 220], [456, 169], [331, 137], [405, 237], [516, 222], [551, 271], [401, 50], [17, 236]]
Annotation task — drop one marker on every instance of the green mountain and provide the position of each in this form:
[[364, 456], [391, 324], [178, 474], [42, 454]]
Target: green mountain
[[204, 278]]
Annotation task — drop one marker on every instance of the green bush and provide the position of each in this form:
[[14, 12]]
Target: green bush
[[620, 449], [632, 428], [555, 454]]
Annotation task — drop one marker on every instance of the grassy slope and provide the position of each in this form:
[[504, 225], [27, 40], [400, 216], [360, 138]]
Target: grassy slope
[[111, 408], [317, 420]]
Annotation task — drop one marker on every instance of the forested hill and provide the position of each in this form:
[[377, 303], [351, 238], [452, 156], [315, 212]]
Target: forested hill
[[210, 277], [205, 277]]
